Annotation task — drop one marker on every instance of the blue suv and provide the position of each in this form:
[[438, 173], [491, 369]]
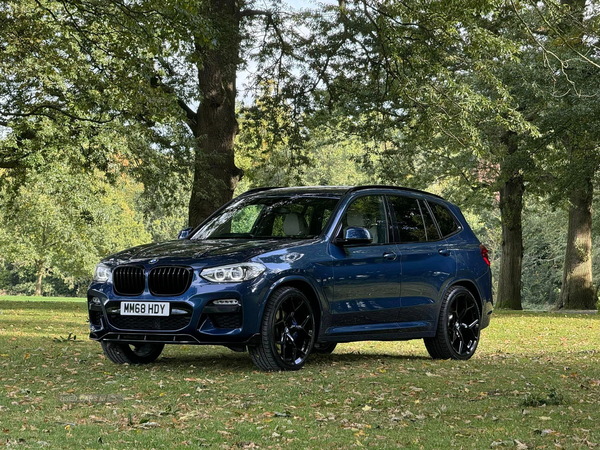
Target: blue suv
[[286, 272]]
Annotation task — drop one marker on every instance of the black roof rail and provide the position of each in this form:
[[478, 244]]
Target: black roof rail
[[383, 186], [252, 191]]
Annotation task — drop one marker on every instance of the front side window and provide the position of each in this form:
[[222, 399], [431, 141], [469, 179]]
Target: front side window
[[290, 217], [367, 212]]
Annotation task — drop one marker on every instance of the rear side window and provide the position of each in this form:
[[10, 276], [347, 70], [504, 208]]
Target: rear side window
[[444, 218], [409, 219]]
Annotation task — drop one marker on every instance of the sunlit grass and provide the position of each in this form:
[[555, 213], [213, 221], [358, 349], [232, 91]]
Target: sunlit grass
[[33, 298], [369, 394]]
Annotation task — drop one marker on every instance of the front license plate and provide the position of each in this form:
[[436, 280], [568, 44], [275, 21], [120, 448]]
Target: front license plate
[[145, 309]]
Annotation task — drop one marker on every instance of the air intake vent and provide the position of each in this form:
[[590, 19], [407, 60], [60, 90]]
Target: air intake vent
[[149, 323], [129, 280], [169, 281]]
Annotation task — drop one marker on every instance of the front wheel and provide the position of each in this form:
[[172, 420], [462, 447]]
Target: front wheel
[[287, 332], [123, 353], [458, 328]]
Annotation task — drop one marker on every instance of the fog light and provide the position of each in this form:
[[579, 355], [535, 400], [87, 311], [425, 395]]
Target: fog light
[[226, 302], [96, 301]]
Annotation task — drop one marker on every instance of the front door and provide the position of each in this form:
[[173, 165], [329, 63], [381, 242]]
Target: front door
[[366, 277]]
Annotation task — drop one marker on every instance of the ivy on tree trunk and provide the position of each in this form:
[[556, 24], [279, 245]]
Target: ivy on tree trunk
[[577, 286], [511, 208]]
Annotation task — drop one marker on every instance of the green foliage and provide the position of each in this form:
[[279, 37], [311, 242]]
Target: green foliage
[[454, 97], [90, 83], [327, 155], [64, 220]]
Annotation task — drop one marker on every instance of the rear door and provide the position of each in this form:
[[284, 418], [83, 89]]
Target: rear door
[[427, 262]]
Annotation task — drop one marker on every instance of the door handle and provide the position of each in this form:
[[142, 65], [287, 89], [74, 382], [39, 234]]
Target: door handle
[[444, 252], [389, 255]]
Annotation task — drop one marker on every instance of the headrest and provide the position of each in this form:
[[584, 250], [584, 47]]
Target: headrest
[[355, 219], [294, 224]]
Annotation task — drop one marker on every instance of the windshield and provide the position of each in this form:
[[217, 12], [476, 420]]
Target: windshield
[[297, 217]]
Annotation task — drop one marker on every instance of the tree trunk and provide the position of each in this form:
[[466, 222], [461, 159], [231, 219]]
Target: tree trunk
[[215, 173], [577, 290], [39, 265], [511, 208]]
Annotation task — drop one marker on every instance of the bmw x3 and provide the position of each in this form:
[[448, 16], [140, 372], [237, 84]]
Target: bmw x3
[[286, 272]]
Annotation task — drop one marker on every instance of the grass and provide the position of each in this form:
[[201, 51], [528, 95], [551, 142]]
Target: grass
[[534, 383], [27, 298]]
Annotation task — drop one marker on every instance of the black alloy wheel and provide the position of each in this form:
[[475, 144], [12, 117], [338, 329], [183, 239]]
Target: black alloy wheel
[[458, 326], [287, 333]]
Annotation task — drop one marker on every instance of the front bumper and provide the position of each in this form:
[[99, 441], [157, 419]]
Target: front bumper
[[194, 317]]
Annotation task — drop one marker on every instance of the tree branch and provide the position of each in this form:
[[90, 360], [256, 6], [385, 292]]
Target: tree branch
[[254, 12], [192, 117], [9, 164], [13, 163]]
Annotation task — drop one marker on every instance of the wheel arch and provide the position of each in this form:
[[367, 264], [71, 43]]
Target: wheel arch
[[472, 288], [470, 285], [308, 288]]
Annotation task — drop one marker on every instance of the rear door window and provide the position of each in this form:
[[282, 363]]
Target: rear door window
[[409, 219]]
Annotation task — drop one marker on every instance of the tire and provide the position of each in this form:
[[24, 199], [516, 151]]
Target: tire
[[457, 334], [287, 332], [123, 353], [324, 348]]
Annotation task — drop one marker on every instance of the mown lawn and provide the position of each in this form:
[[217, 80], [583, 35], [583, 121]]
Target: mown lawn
[[534, 383], [27, 298]]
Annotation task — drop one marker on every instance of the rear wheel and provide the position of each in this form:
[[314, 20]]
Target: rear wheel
[[324, 348], [287, 332], [123, 353], [458, 326]]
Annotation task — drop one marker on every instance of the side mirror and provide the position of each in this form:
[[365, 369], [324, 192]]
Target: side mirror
[[183, 234], [354, 236]]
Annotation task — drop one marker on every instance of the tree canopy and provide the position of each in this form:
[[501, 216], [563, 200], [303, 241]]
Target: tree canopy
[[132, 108]]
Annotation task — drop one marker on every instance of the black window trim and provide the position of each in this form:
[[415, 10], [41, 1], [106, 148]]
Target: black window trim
[[338, 226], [459, 227], [437, 226], [422, 220]]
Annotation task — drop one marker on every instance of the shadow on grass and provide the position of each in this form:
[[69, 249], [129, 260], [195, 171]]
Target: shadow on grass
[[243, 362]]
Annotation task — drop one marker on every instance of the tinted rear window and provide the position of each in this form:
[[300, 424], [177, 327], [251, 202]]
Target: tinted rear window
[[444, 218]]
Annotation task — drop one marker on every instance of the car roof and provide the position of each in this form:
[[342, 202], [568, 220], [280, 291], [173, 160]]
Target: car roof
[[330, 190]]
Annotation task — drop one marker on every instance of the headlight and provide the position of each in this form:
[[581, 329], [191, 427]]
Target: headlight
[[233, 273], [102, 273]]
